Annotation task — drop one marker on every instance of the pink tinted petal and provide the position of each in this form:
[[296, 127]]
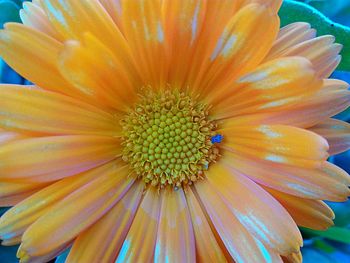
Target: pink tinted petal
[[336, 132], [109, 232], [51, 158], [308, 213], [258, 211], [140, 242], [175, 237], [207, 246], [75, 213], [298, 181], [236, 238]]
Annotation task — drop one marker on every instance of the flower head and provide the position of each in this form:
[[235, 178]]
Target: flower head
[[173, 131]]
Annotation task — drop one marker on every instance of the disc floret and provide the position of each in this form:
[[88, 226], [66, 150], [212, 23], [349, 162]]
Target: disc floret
[[167, 139]]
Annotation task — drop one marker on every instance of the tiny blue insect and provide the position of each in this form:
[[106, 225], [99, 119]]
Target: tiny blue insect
[[217, 138]]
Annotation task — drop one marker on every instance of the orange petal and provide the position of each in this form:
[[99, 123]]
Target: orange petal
[[36, 110], [140, 241], [9, 136], [336, 132], [52, 158], [33, 54], [183, 23], [34, 16], [16, 220], [13, 188], [237, 51], [258, 211], [238, 241], [113, 7], [75, 213], [309, 213], [276, 85], [298, 181], [109, 232], [97, 72], [217, 14], [289, 36], [144, 32], [73, 18], [175, 237], [277, 144], [331, 99], [207, 247], [273, 4], [14, 199]]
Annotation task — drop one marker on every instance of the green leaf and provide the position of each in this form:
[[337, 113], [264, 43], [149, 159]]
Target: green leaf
[[292, 11], [333, 233], [323, 246], [330, 8], [9, 12]]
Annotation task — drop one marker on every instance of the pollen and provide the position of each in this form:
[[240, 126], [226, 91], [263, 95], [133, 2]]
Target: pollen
[[167, 139]]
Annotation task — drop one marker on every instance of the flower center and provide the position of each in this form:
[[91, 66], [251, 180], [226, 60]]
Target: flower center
[[168, 139]]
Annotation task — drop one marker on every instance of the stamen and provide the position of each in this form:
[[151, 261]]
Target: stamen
[[168, 139]]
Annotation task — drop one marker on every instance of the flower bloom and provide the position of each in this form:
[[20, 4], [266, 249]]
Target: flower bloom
[[172, 131]]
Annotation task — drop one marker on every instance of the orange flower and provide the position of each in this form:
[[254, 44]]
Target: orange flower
[[173, 131]]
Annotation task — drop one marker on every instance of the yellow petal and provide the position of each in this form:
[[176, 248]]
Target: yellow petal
[[109, 232], [259, 212], [238, 241], [52, 158], [97, 72], [175, 237], [75, 213], [308, 213], [207, 246], [303, 182], [237, 52], [277, 144], [41, 111], [140, 242], [17, 219], [276, 85], [34, 16], [336, 132]]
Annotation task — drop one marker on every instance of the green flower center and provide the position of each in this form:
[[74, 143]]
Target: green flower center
[[167, 139]]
